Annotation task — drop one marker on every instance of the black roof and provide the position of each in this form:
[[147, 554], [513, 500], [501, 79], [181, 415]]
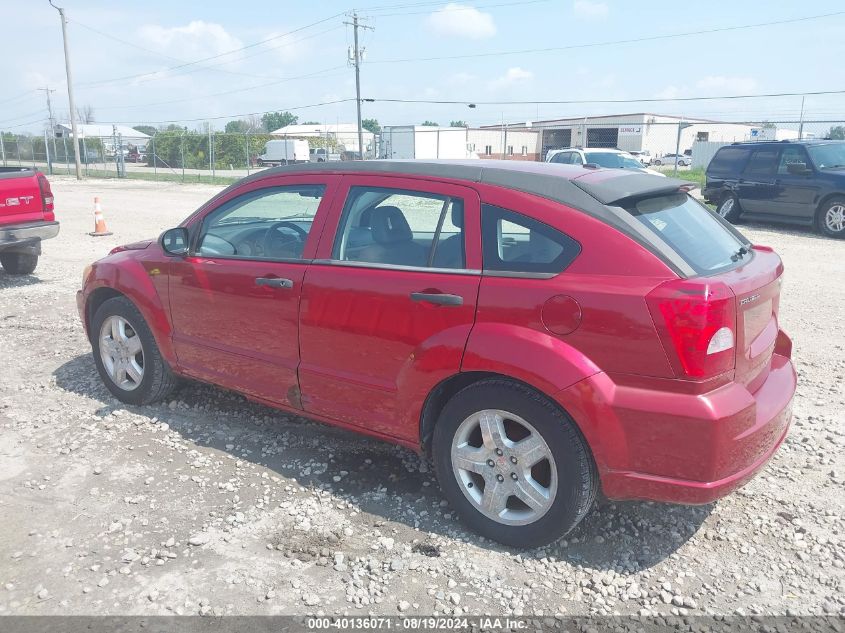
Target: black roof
[[562, 183], [793, 141]]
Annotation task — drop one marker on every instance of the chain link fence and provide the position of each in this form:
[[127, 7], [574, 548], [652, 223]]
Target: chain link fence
[[218, 157]]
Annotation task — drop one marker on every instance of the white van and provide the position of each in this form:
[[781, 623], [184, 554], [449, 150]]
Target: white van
[[284, 152]]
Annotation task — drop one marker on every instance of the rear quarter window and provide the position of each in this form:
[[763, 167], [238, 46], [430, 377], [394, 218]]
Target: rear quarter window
[[729, 161], [690, 229]]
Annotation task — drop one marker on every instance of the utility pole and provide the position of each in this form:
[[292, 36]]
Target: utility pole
[[801, 121], [71, 104], [47, 90], [356, 62]]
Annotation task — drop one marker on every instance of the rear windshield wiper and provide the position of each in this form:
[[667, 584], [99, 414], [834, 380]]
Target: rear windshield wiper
[[743, 250]]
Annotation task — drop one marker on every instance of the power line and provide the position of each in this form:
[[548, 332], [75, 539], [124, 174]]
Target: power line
[[651, 38], [468, 102], [243, 114], [29, 93], [213, 67], [217, 56], [227, 92]]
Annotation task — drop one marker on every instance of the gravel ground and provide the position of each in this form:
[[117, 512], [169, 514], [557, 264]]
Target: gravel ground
[[209, 504]]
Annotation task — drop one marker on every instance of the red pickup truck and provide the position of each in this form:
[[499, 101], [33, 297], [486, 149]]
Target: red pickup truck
[[26, 218]]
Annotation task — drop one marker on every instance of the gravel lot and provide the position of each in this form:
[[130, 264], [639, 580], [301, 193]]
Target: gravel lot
[[209, 504]]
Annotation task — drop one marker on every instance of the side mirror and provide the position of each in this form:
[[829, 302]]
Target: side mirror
[[798, 169], [175, 241]]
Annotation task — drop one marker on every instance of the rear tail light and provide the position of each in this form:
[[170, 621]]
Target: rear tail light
[[696, 320], [46, 194]]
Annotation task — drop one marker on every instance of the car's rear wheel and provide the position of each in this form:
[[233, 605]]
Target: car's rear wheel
[[657, 162], [126, 354], [512, 464], [18, 263], [729, 208], [831, 218]]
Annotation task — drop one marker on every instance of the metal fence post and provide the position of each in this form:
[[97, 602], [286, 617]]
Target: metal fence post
[[32, 149], [182, 152], [47, 151], [18, 150], [247, 152], [64, 143], [3, 149], [155, 156], [211, 153]]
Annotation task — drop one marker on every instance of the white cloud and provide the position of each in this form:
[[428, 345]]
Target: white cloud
[[712, 85], [462, 21], [590, 10], [515, 75], [196, 39], [461, 79]]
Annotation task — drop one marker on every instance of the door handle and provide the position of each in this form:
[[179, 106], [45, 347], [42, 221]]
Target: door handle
[[274, 282], [438, 298]]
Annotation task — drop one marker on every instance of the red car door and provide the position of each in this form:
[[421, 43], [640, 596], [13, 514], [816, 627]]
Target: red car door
[[389, 302], [234, 300]]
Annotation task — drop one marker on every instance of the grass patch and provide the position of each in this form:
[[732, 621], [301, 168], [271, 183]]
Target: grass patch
[[164, 177]]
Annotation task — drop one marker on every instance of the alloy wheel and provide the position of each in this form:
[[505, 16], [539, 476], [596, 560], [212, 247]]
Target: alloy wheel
[[834, 219], [122, 353], [504, 467], [726, 207]]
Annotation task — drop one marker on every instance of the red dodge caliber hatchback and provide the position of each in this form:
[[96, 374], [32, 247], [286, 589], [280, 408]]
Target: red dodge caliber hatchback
[[540, 330]]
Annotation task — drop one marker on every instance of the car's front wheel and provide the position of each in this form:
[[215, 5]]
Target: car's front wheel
[[831, 218], [512, 464], [729, 208], [18, 263], [126, 354]]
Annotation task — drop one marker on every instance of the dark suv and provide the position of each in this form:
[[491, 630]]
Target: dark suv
[[800, 182]]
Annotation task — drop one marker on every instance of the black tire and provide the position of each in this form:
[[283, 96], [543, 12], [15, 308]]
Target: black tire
[[729, 208], [577, 479], [158, 380], [18, 263], [657, 162], [826, 225]]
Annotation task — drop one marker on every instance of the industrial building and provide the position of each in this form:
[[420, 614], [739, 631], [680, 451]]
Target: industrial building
[[430, 142], [642, 131]]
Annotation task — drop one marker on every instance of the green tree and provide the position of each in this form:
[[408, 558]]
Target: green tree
[[837, 132], [428, 123], [236, 126], [145, 129], [371, 125], [458, 123], [274, 120]]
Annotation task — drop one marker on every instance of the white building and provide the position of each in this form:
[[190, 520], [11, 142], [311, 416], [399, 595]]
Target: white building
[[345, 134], [430, 142], [106, 132], [640, 131]]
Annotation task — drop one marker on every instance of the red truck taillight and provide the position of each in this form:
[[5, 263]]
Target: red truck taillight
[[696, 319], [46, 194]]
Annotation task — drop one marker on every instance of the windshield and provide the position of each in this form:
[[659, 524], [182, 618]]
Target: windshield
[[690, 229], [615, 161], [827, 156]]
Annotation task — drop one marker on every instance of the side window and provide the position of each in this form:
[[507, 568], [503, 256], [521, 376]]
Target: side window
[[270, 223], [762, 161], [789, 156], [562, 157], [401, 228], [729, 161], [515, 243]]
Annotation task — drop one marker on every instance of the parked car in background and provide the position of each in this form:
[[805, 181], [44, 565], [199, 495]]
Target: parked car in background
[[542, 331], [799, 182], [643, 156], [285, 152], [610, 158], [136, 154], [321, 155], [26, 218], [669, 159]]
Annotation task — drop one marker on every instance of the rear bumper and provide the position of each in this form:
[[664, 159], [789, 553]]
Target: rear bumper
[[685, 448], [14, 235]]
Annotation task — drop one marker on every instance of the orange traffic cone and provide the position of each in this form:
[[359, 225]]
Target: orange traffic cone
[[99, 221]]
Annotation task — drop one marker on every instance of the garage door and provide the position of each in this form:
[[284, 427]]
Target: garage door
[[556, 139], [603, 137]]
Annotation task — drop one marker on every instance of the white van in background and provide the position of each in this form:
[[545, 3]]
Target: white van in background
[[284, 152]]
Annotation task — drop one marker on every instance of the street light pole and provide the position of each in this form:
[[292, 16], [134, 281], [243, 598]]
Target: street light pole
[[71, 104]]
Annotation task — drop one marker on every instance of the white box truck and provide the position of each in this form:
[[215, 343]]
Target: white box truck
[[285, 152]]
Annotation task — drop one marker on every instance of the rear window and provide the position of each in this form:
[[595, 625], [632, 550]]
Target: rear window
[[729, 160], [690, 229]]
